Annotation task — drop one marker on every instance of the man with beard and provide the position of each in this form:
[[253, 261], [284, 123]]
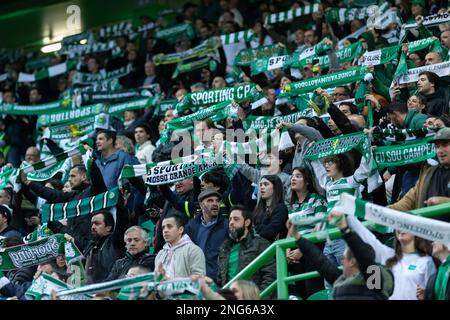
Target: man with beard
[[241, 247], [107, 245]]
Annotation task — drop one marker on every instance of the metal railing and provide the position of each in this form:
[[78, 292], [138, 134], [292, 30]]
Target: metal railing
[[278, 250]]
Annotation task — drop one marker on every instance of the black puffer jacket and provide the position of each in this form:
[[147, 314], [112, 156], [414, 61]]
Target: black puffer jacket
[[78, 227], [102, 254], [120, 268], [251, 247], [353, 287], [437, 103]]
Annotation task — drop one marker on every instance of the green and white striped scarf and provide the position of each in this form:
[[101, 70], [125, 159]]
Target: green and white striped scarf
[[42, 287], [267, 64], [202, 49], [236, 37], [49, 162], [76, 208], [404, 154], [426, 228], [291, 14], [88, 78], [38, 63], [116, 30], [337, 145], [326, 81], [9, 178], [38, 109], [258, 123], [173, 33], [69, 115], [50, 171], [132, 105], [42, 231], [50, 72], [401, 135], [429, 21], [132, 171], [70, 131], [334, 15], [247, 56], [36, 252]]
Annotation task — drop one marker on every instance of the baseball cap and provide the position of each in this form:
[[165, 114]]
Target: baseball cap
[[6, 211], [442, 135], [208, 193]]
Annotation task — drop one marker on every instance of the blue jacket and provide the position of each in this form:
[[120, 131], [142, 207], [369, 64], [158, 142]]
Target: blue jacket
[[216, 236], [111, 167]]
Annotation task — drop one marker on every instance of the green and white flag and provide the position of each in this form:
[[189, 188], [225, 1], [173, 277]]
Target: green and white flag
[[89, 78], [76, 208], [38, 109], [285, 16], [267, 64], [441, 69], [212, 97], [69, 115], [109, 285], [173, 33], [50, 72], [247, 56], [202, 49], [36, 252], [80, 50], [132, 105], [337, 145], [426, 228], [49, 162], [326, 81], [404, 154], [236, 37]]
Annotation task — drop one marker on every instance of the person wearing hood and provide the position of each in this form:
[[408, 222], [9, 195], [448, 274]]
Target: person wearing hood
[[180, 257]]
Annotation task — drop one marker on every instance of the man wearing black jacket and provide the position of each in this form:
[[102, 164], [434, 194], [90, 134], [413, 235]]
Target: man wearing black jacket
[[77, 227], [107, 244], [352, 283]]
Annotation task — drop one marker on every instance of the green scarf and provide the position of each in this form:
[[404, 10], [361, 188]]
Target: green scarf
[[42, 287], [206, 62], [441, 283], [326, 81], [337, 145], [400, 155], [74, 130], [34, 253], [291, 14], [79, 50], [165, 105], [333, 15], [400, 135], [202, 49], [132, 105], [426, 228], [89, 78], [247, 56], [267, 64], [173, 33], [38, 109], [69, 115], [81, 207], [269, 123], [237, 37], [50, 171]]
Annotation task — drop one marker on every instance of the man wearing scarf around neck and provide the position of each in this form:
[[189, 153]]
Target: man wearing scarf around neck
[[180, 257]]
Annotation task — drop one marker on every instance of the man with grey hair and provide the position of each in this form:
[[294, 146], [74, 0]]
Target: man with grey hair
[[136, 243]]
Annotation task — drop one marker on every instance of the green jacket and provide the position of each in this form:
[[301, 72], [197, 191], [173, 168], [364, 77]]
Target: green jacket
[[415, 120]]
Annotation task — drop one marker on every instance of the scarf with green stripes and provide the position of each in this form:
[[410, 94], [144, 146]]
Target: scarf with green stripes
[[429, 21], [205, 98], [337, 145], [132, 105], [333, 15], [426, 228], [267, 64], [403, 154], [326, 81], [36, 252], [76, 208], [173, 33], [291, 14], [9, 178], [89, 78], [269, 123], [202, 49], [247, 56], [237, 37], [400, 135], [49, 72], [38, 63], [69, 131], [50, 171]]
